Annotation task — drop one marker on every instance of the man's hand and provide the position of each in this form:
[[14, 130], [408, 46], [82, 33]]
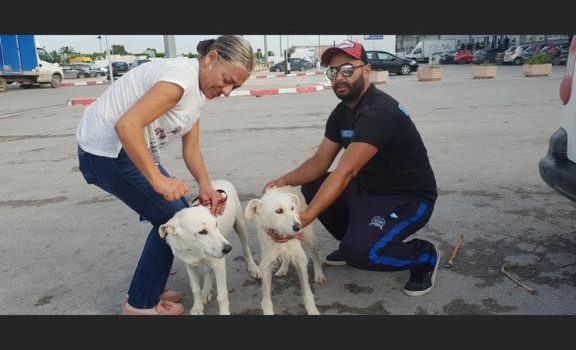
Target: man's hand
[[275, 183], [305, 218], [170, 189]]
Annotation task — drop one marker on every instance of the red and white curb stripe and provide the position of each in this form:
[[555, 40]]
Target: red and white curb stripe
[[84, 83], [84, 101], [284, 75], [277, 91]]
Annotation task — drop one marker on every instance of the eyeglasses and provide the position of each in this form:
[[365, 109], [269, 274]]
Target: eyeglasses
[[346, 70]]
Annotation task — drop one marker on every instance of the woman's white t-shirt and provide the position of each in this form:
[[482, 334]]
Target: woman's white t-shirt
[[96, 134]]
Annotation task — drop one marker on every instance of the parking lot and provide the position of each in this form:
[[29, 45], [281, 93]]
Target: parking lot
[[69, 248]]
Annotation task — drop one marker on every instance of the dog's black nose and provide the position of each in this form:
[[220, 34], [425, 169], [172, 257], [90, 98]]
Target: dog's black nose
[[227, 248], [296, 227]]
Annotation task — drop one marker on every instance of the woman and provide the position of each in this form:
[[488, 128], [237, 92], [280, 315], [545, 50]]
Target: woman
[[119, 140]]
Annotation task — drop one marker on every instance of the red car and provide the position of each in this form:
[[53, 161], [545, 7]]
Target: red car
[[463, 56]]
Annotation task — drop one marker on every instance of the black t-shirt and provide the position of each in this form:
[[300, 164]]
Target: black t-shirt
[[401, 165]]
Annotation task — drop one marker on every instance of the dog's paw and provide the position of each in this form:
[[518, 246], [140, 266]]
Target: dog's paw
[[206, 296], [255, 272], [313, 312], [319, 279], [196, 311]]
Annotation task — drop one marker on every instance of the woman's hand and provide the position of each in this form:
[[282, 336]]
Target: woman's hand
[[212, 199], [171, 189]]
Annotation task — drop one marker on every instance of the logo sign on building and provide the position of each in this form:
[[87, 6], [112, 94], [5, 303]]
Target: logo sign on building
[[374, 37]]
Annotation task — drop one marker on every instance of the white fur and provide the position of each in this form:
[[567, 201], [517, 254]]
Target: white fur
[[278, 210], [198, 239]]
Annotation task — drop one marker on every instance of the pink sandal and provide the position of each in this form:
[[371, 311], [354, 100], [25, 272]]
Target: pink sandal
[[171, 295], [163, 308]]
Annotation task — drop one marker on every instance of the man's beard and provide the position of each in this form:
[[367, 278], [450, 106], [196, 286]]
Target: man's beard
[[354, 90]]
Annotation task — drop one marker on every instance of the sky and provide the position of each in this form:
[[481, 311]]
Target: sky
[[184, 43]]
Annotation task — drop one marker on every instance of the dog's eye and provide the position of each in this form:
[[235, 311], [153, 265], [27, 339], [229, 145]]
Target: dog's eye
[[292, 208], [203, 232], [279, 211]]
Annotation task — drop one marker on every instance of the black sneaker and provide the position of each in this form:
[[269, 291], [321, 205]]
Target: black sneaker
[[335, 259], [421, 283]]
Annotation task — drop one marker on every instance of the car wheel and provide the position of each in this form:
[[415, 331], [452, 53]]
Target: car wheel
[[302, 68], [82, 76], [56, 80], [277, 69], [405, 69], [517, 61]]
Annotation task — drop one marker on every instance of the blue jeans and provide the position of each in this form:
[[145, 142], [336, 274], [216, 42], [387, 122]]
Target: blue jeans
[[121, 178]]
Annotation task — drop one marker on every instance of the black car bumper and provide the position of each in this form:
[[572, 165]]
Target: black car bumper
[[556, 169]]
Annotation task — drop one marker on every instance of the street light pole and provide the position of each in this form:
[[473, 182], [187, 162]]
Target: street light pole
[[100, 43]]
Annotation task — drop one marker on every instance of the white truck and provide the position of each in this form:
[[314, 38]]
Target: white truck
[[424, 49], [23, 60]]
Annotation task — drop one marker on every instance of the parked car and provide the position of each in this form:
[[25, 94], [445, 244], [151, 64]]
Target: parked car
[[119, 69], [558, 166], [382, 60], [463, 56], [94, 71], [295, 64], [138, 62], [486, 54], [102, 71], [448, 57], [531, 51], [75, 71], [513, 55]]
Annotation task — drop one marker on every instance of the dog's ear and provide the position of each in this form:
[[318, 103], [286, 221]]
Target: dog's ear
[[252, 208], [295, 199], [169, 228]]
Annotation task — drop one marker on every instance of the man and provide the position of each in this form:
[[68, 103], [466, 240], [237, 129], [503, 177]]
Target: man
[[383, 188]]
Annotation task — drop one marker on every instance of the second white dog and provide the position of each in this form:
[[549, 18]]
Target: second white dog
[[276, 214], [197, 238]]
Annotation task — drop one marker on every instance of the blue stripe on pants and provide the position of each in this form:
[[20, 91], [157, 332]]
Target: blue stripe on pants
[[382, 242]]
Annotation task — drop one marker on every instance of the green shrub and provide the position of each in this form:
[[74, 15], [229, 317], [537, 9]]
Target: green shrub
[[540, 58]]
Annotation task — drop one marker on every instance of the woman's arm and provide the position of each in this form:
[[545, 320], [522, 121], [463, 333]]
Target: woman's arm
[[195, 163], [159, 99]]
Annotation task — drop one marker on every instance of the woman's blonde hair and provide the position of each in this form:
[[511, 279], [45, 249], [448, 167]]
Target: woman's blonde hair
[[232, 48]]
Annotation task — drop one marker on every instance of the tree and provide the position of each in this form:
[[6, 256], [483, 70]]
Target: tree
[[66, 52], [118, 50], [56, 56]]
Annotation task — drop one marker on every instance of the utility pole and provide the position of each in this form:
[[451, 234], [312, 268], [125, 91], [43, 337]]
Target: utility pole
[[109, 57], [318, 58], [281, 52], [266, 50], [287, 54], [169, 46]]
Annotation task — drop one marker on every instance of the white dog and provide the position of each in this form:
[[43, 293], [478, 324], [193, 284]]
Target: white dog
[[276, 214], [197, 238]]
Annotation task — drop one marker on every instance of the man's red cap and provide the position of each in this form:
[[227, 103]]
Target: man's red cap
[[348, 47]]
